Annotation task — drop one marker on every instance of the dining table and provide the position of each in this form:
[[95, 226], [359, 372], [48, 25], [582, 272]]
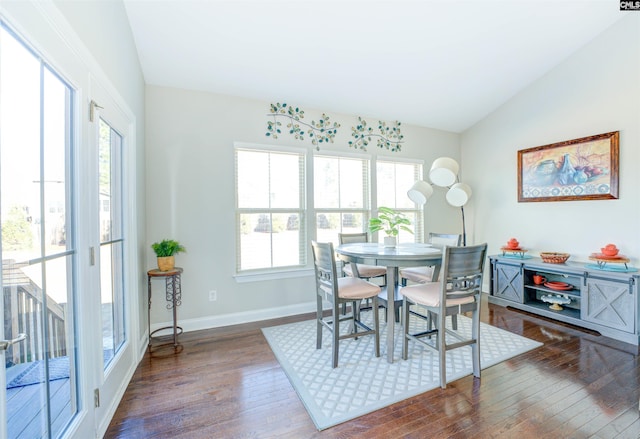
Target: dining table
[[401, 255]]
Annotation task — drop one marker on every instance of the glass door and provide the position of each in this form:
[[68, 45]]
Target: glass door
[[39, 391], [115, 300], [69, 270]]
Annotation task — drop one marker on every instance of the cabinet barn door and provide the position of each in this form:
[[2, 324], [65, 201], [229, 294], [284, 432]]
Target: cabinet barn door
[[508, 282], [611, 304]]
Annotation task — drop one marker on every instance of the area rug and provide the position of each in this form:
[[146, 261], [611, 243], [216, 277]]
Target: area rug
[[363, 383]]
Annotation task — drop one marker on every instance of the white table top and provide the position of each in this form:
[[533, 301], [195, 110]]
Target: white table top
[[403, 254]]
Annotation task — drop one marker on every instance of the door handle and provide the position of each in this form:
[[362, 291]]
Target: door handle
[[4, 344]]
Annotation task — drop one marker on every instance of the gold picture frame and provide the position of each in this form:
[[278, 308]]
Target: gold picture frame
[[573, 170]]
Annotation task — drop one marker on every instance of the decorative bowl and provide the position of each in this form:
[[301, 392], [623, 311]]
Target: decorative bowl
[[513, 243], [554, 257], [609, 250]]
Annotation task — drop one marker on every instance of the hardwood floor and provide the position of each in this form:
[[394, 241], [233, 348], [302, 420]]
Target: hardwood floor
[[226, 383]]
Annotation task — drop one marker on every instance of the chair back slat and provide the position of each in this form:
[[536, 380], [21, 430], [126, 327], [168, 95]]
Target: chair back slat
[[442, 239], [350, 238], [325, 270], [463, 269]]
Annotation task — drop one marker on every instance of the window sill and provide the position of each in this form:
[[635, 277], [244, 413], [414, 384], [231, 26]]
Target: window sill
[[271, 275]]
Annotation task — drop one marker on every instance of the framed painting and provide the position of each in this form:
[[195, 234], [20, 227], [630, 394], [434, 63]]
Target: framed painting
[[580, 169]]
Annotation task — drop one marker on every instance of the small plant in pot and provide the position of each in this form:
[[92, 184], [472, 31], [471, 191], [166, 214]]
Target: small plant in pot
[[390, 222], [166, 251]]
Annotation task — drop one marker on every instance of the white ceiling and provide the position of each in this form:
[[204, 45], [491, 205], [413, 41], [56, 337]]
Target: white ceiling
[[439, 64]]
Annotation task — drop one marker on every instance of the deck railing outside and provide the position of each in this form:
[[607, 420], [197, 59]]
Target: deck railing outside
[[23, 309]]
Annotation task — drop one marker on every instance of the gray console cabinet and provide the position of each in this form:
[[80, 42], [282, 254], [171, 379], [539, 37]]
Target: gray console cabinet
[[603, 301]]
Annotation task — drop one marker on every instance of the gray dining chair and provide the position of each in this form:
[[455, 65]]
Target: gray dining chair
[[362, 271], [339, 290], [458, 292], [425, 274]]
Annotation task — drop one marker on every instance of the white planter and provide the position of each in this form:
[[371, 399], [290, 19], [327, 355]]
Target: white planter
[[390, 241]]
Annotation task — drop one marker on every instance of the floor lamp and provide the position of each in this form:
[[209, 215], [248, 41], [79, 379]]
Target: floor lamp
[[443, 173]]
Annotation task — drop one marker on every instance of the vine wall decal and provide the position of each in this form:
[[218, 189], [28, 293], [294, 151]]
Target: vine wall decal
[[322, 131], [388, 137]]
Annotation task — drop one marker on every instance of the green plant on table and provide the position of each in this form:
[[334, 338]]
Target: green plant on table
[[167, 247], [389, 221]]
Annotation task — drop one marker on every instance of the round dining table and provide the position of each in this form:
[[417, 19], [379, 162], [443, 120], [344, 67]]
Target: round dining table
[[402, 255]]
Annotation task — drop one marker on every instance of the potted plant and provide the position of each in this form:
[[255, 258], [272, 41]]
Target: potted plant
[[166, 251], [391, 222]]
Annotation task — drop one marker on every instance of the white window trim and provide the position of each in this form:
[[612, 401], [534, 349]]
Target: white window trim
[[270, 148], [252, 275], [258, 275]]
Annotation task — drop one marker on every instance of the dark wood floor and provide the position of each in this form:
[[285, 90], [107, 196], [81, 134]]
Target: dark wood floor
[[226, 383]]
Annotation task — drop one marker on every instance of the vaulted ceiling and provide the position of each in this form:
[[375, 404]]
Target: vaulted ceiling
[[439, 64]]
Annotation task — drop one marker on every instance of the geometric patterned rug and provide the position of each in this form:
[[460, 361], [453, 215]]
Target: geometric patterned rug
[[363, 383]]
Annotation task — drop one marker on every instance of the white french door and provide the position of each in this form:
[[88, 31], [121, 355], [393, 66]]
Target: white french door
[[68, 243], [111, 144], [40, 377]]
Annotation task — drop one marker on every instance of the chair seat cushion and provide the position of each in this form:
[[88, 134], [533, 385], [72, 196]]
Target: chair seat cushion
[[367, 271], [417, 274], [429, 295], [356, 288]]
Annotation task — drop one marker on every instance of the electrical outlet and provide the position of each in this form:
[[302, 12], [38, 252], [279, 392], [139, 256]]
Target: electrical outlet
[[213, 296]]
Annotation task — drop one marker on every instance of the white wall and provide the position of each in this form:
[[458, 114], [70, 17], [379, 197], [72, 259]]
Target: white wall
[[190, 197], [594, 91]]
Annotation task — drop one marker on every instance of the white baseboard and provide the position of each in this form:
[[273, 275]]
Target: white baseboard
[[201, 323], [210, 322]]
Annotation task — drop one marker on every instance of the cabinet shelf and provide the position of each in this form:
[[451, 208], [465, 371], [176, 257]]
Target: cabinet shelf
[[567, 312], [572, 293], [606, 302]]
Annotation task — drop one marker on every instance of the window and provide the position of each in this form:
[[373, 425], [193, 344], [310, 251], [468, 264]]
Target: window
[[111, 240], [270, 209], [341, 196], [393, 179], [271, 206]]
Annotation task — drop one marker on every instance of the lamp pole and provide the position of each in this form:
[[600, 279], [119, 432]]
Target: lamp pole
[[464, 230]]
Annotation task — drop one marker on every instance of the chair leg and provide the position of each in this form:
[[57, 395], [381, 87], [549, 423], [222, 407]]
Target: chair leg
[[442, 349], [405, 329], [376, 324], [475, 347], [318, 321], [454, 322], [335, 337], [355, 316]]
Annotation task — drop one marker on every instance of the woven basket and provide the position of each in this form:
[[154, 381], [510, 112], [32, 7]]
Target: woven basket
[[554, 258]]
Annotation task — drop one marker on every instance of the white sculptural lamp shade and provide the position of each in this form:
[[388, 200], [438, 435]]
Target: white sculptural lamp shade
[[458, 195], [420, 192], [444, 171]]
